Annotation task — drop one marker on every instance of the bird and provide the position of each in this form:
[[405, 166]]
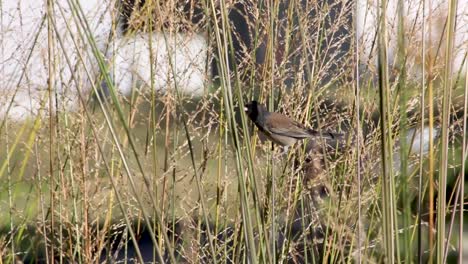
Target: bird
[[285, 131]]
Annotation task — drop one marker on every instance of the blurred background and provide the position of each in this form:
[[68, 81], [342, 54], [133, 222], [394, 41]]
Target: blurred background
[[123, 137]]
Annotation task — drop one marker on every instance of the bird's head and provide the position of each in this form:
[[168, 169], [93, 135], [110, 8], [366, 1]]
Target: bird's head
[[253, 110]]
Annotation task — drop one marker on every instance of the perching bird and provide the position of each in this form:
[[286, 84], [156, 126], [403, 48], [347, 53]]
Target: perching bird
[[284, 131]]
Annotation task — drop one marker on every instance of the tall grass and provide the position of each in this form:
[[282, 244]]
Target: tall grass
[[447, 94], [193, 175]]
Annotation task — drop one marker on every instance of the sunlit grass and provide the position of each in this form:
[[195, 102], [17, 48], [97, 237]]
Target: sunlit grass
[[168, 162]]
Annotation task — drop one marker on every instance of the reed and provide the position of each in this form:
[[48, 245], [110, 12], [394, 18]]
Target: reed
[[184, 177]]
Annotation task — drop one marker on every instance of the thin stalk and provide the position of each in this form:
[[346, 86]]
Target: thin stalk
[[453, 199], [148, 10], [421, 146], [430, 94], [42, 204], [388, 202], [443, 165], [403, 90], [61, 183], [462, 188], [10, 198], [51, 82], [219, 148], [273, 14], [358, 130]]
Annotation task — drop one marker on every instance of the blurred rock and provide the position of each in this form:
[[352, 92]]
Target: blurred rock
[[24, 61], [182, 54], [435, 18]]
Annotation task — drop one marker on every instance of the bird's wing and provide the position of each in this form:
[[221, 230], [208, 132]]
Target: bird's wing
[[282, 125], [279, 124]]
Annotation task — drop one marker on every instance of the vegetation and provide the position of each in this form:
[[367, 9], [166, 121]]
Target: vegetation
[[166, 176]]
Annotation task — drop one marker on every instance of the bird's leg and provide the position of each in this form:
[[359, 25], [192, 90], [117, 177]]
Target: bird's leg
[[277, 156], [285, 151]]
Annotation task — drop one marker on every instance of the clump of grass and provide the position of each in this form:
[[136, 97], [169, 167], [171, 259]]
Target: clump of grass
[[168, 177]]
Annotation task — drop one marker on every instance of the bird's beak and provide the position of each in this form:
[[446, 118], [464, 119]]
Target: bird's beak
[[246, 109]]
